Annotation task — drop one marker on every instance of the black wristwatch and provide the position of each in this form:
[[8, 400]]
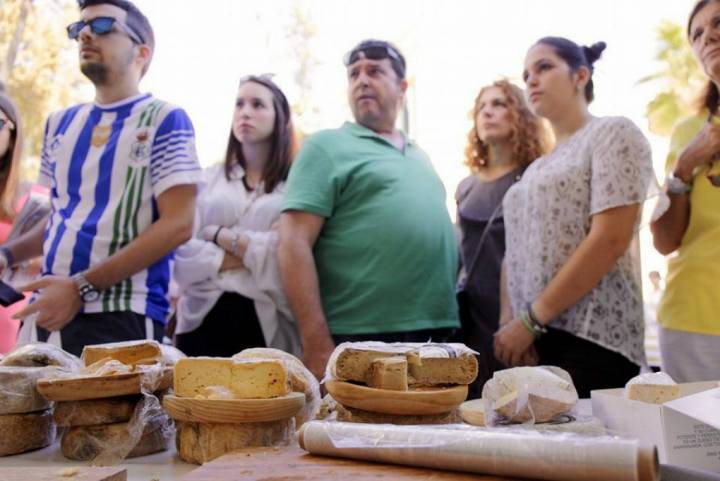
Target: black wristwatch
[[87, 292]]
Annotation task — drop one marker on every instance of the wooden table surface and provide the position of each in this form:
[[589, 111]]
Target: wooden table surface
[[294, 464]]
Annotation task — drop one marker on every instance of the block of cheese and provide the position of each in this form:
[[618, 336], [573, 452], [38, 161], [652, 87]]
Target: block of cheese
[[24, 432], [41, 354], [247, 379], [525, 394], [654, 388], [18, 393], [301, 379], [85, 443], [389, 373], [538, 408], [95, 411], [653, 393], [200, 443], [128, 352], [428, 364]]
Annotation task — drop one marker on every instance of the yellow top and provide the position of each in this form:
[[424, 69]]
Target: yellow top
[[691, 301]]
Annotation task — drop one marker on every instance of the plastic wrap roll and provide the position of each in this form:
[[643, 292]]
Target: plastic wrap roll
[[560, 457]]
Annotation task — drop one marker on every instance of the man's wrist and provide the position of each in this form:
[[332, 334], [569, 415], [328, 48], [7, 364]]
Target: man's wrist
[[86, 291]]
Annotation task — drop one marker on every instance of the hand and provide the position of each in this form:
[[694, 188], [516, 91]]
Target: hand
[[700, 151], [208, 232], [56, 304], [512, 342], [316, 355]]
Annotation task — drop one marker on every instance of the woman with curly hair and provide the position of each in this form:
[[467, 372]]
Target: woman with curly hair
[[504, 139]]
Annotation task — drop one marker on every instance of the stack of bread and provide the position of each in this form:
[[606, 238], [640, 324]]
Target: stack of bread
[[110, 408], [256, 398], [26, 419], [398, 383]]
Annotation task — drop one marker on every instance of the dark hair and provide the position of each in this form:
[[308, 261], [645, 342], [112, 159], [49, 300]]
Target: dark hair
[[136, 20], [282, 140], [10, 162], [398, 64], [711, 97], [576, 56]]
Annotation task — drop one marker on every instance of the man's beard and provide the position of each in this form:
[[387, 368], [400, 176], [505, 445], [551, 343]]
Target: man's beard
[[96, 72]]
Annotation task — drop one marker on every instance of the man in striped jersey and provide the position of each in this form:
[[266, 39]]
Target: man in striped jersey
[[122, 174]]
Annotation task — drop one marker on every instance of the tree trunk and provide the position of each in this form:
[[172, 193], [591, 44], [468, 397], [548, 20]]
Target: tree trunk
[[14, 45]]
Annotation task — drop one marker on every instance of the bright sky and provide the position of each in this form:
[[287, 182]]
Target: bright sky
[[453, 47]]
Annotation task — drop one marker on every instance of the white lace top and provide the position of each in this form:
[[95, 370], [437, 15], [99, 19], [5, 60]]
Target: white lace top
[[606, 164]]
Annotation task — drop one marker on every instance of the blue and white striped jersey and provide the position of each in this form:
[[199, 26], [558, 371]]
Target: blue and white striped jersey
[[105, 166]]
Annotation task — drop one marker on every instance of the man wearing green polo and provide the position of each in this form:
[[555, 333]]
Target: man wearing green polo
[[367, 249]]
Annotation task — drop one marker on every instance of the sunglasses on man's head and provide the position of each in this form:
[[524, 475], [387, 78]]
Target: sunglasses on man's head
[[373, 52], [101, 26]]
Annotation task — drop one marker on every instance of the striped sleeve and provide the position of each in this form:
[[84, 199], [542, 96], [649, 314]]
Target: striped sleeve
[[46, 172], [174, 160]]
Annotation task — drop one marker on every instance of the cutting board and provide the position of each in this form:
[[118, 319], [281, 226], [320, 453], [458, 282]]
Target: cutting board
[[294, 464], [98, 387], [233, 410], [414, 402], [57, 474]]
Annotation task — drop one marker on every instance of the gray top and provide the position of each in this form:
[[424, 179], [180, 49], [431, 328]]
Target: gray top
[[606, 164]]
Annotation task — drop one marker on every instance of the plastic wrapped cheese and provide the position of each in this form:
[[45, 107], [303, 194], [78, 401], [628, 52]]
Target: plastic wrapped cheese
[[95, 411], [528, 395], [428, 364], [109, 443], [301, 379], [24, 432], [18, 392], [40, 354]]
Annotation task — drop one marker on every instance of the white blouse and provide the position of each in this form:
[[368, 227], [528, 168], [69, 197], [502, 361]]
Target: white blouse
[[197, 262], [606, 164]]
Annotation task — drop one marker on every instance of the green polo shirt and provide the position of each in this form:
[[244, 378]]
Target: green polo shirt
[[387, 254]]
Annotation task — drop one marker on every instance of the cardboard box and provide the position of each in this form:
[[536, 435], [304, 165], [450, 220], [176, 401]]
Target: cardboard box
[[686, 431]]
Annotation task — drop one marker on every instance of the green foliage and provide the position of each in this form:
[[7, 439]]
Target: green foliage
[[38, 65], [682, 79]]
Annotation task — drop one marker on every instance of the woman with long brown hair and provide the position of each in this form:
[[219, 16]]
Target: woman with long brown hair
[[230, 292], [17, 201], [506, 136]]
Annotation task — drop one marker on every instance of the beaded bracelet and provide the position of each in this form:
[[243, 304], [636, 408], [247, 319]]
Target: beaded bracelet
[[537, 325], [537, 330]]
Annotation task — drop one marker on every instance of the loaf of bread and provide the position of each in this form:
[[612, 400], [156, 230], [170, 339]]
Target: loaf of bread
[[301, 379], [389, 373], [25, 432], [528, 394], [428, 364], [85, 443], [18, 392], [654, 388], [41, 354], [128, 352], [200, 443], [247, 379], [96, 411]]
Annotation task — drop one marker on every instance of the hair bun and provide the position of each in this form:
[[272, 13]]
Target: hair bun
[[594, 51]]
